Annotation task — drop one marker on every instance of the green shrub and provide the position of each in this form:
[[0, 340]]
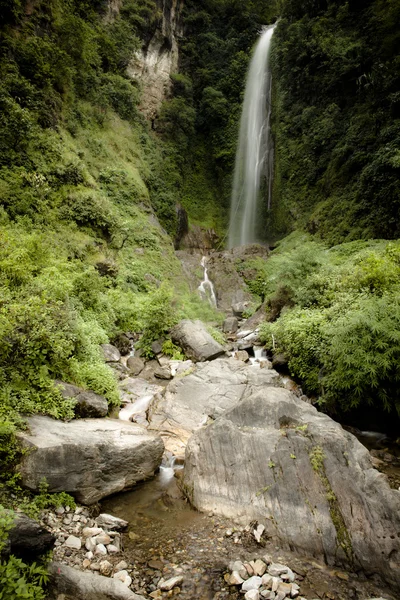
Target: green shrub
[[19, 580]]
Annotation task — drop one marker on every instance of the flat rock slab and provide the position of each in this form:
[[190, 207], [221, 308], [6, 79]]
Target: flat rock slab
[[196, 341], [188, 403], [275, 459], [88, 458], [77, 585]]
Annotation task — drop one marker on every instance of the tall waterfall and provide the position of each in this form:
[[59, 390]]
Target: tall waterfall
[[254, 157]]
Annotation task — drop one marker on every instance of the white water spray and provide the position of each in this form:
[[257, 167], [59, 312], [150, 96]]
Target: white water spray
[[206, 287], [254, 157]]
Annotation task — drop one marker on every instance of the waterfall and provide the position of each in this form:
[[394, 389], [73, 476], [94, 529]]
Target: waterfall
[[254, 157], [206, 287]]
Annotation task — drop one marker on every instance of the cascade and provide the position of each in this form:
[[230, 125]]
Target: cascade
[[206, 287], [254, 157]]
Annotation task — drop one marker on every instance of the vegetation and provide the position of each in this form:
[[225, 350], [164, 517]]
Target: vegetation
[[335, 313], [336, 112]]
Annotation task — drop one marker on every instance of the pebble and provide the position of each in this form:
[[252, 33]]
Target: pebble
[[254, 583], [169, 584], [252, 595], [101, 550], [73, 542], [124, 577], [89, 532], [105, 567], [121, 566], [90, 544], [111, 549]]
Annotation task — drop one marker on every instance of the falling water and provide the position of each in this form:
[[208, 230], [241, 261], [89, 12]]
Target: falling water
[[206, 287], [254, 158]]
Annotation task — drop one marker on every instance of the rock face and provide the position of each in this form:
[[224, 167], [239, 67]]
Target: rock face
[[275, 459], [213, 388], [158, 59], [28, 539], [90, 459], [88, 404], [197, 343], [76, 585]]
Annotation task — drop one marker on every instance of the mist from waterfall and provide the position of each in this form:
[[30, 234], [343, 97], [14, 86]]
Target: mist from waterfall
[[254, 157]]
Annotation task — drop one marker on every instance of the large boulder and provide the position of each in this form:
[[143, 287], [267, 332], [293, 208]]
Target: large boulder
[[189, 402], [77, 585], [28, 539], [89, 458], [196, 341], [275, 459], [88, 404]]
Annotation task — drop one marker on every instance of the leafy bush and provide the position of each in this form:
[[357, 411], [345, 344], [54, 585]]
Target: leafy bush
[[19, 580], [342, 335]]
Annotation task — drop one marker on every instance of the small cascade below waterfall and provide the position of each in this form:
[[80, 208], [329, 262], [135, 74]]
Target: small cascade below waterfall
[[206, 288], [254, 157]]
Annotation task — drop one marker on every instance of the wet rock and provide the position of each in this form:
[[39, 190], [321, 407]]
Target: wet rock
[[90, 459], [242, 355], [79, 585], [135, 365], [279, 362], [88, 404], [195, 340], [231, 467], [110, 353], [28, 539]]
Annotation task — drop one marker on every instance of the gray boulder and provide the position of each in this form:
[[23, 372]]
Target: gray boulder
[[275, 459], [189, 402], [28, 539], [77, 585], [135, 365], [110, 353], [230, 325], [195, 340], [88, 404], [90, 459]]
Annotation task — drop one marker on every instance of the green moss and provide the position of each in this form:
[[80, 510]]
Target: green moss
[[343, 537]]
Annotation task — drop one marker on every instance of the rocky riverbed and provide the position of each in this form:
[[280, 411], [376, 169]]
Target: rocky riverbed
[[170, 550]]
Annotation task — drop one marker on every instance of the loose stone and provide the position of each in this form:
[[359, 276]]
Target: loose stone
[[101, 550], [254, 583], [235, 579], [276, 569], [259, 567], [252, 595], [73, 542], [169, 584]]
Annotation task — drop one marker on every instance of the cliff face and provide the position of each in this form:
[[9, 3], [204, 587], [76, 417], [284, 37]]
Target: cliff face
[[158, 58]]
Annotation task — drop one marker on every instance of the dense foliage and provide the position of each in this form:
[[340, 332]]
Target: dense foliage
[[337, 119], [335, 313], [82, 255], [202, 118]]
